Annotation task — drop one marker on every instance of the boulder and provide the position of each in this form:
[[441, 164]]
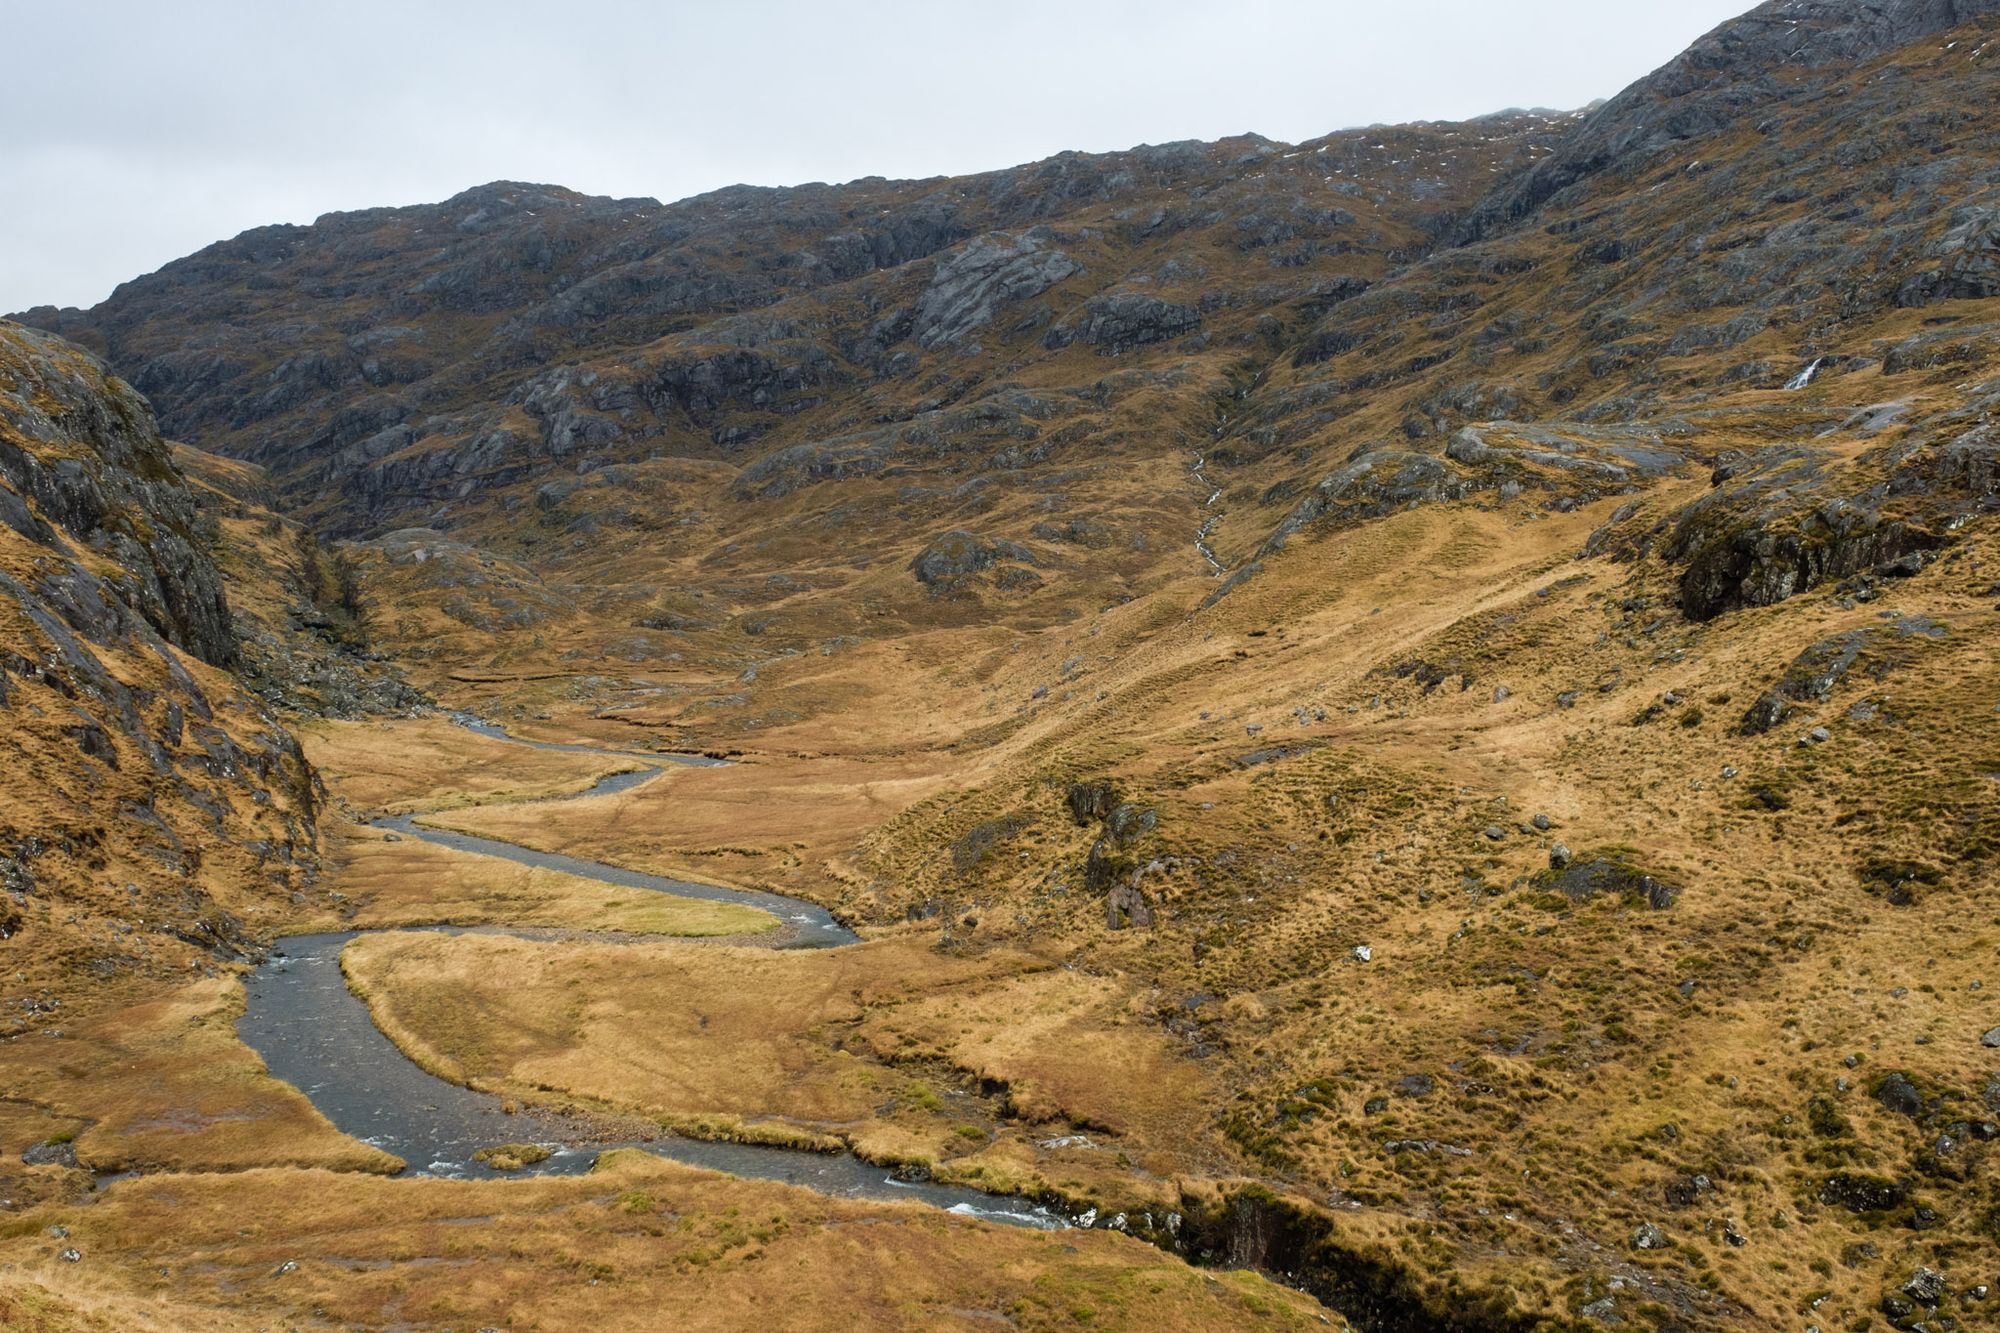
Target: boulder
[[1861, 1194], [1898, 1093], [1091, 802], [1926, 1287], [1126, 905], [52, 1153], [1582, 880], [1810, 678]]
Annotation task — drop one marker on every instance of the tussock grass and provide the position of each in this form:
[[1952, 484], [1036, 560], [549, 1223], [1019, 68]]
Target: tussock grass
[[639, 1243]]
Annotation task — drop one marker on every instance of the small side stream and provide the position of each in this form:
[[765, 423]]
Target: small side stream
[[316, 1034], [1210, 523]]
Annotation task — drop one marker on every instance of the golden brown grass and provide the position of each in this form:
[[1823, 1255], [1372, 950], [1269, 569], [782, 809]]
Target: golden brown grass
[[774, 820], [164, 1083], [405, 765], [677, 1032], [639, 1243], [1555, 1035], [410, 883], [1070, 1048], [903, 1053]]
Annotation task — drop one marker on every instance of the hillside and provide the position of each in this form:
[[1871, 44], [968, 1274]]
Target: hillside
[[1422, 701], [158, 818]]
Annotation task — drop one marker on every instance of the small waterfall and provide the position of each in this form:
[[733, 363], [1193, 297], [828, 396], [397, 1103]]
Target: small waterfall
[[1209, 524], [1806, 376]]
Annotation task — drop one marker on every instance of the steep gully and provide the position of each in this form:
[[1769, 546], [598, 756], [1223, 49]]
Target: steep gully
[[316, 1034]]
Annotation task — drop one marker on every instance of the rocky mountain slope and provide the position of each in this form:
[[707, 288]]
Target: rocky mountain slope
[[159, 821], [1465, 654], [1743, 69], [750, 378], [152, 803], [417, 356]]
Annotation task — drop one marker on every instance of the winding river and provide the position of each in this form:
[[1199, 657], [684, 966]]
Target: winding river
[[316, 1034]]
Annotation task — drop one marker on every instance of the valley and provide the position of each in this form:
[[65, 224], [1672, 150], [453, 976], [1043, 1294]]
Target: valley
[[1396, 732]]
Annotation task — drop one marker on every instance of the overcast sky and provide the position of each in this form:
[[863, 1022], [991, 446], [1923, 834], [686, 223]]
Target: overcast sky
[[141, 130]]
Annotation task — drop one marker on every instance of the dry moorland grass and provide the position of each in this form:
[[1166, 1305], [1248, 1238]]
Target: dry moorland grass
[[162, 1083], [774, 820], [680, 1032], [412, 883], [966, 1065], [639, 1243], [1071, 1049], [1548, 1041], [430, 763], [1574, 1059]]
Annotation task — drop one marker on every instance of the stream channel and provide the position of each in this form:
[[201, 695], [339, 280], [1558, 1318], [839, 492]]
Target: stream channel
[[316, 1034]]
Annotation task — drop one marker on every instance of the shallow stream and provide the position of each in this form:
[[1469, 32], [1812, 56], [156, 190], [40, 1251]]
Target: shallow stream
[[316, 1034]]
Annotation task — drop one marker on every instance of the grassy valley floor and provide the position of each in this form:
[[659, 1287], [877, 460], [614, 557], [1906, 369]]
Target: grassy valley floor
[[277, 1216]]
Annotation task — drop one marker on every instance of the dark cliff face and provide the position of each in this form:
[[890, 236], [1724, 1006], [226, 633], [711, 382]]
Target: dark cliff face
[[136, 784], [1742, 68], [82, 446]]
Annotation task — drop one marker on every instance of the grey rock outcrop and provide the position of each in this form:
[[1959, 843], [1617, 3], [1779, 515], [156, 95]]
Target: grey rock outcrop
[[958, 553], [83, 447], [1792, 517], [1093, 802], [1582, 880], [50, 1154], [1120, 321], [106, 580], [1968, 267], [968, 289], [1811, 677], [1377, 482]]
